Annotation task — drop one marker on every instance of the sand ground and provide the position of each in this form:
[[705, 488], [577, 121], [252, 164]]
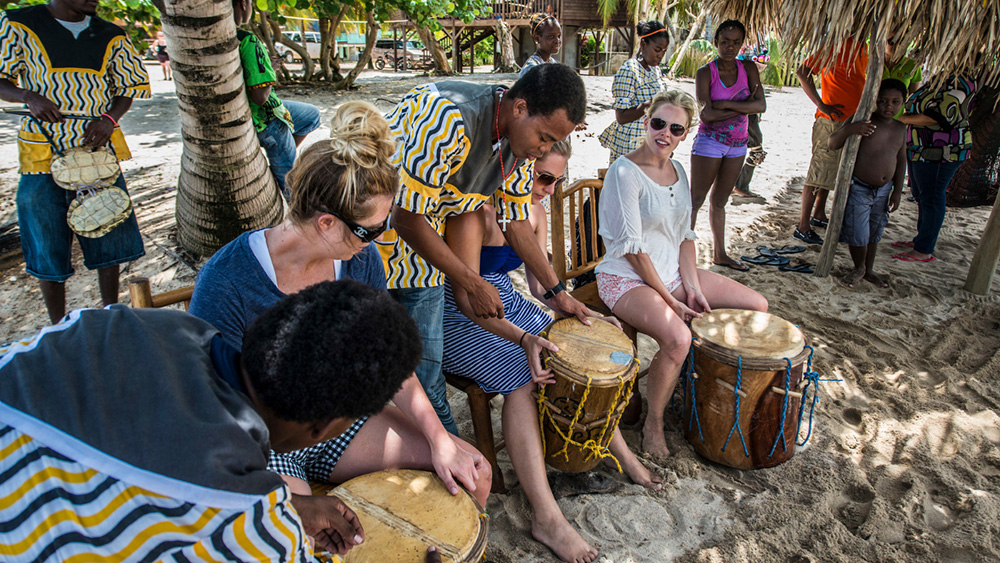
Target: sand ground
[[903, 462]]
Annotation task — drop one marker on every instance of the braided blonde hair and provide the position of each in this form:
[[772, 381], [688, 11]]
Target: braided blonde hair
[[343, 174]]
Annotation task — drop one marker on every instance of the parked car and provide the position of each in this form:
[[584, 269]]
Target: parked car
[[312, 45], [410, 53]]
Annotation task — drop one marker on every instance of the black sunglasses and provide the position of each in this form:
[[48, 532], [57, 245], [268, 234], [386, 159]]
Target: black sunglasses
[[547, 179], [676, 129], [366, 234]]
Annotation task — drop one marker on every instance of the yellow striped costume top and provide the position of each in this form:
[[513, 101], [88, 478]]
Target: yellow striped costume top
[[449, 165], [122, 440], [81, 75]]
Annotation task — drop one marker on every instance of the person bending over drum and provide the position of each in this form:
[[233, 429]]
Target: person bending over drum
[[502, 355], [649, 276], [342, 191]]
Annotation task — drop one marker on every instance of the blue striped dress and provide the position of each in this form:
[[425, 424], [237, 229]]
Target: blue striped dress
[[470, 351]]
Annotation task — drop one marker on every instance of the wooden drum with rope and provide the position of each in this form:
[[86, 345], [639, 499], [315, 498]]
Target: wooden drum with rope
[[741, 399], [405, 511], [594, 370]]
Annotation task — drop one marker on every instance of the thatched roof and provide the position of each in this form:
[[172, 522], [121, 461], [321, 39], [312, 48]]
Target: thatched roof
[[949, 36]]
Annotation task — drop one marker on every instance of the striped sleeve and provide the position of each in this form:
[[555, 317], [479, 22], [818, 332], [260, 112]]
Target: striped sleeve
[[515, 198], [126, 74], [624, 87], [432, 146], [11, 52]]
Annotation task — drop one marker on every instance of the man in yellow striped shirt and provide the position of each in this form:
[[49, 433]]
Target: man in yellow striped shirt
[[61, 60], [458, 146]]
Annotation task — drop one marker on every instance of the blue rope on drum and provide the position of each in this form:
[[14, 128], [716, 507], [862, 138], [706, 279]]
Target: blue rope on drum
[[736, 415], [812, 380], [690, 378], [784, 411]]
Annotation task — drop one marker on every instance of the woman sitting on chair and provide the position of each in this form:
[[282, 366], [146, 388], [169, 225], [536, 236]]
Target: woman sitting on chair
[[342, 191], [649, 276], [502, 355]]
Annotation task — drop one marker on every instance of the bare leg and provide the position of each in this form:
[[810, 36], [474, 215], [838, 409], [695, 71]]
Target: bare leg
[[819, 212], [644, 309], [870, 274], [858, 254], [633, 467], [54, 296], [729, 171], [389, 440], [724, 293], [808, 199], [703, 174], [524, 443], [107, 280]]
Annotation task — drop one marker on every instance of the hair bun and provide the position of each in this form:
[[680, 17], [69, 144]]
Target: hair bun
[[359, 136]]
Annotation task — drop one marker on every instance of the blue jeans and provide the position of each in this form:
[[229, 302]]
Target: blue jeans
[[930, 180], [426, 307], [47, 241], [278, 142]]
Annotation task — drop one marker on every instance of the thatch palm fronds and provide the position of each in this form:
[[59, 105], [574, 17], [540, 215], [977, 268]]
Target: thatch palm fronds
[[608, 8], [949, 36]]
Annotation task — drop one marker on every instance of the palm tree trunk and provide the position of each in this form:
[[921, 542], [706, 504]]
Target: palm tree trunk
[[696, 27], [225, 186], [507, 62], [371, 32], [441, 64]]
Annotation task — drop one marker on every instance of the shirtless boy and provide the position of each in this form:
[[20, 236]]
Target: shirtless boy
[[878, 179]]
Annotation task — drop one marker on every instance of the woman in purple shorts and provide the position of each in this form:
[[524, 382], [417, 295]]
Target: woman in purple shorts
[[721, 144]]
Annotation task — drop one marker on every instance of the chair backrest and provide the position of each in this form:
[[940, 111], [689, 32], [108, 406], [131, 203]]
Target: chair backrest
[[571, 217], [142, 296]]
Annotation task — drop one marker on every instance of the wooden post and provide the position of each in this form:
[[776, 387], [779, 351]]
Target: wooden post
[[849, 155], [984, 261]]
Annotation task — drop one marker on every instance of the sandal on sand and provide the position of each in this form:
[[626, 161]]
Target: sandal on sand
[[734, 264], [911, 258], [765, 260], [787, 249], [801, 268], [903, 244]]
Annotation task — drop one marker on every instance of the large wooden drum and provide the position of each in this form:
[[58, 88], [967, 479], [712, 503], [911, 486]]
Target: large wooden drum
[[403, 512], [594, 371], [741, 402]]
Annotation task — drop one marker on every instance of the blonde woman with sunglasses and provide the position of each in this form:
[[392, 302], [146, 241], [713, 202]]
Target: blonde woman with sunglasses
[[342, 191], [502, 354], [649, 275]]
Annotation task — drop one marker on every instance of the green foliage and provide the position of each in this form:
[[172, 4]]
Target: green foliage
[[699, 53], [781, 68], [423, 12], [587, 51], [484, 51]]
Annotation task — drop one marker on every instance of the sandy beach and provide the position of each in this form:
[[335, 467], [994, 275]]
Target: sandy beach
[[904, 459]]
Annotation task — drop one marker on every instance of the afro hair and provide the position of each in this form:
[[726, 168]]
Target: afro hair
[[550, 87]]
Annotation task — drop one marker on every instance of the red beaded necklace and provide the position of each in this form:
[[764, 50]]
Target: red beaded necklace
[[503, 193]]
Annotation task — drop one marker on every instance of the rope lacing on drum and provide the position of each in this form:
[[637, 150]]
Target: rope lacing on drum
[[689, 379], [812, 379], [784, 411], [736, 413]]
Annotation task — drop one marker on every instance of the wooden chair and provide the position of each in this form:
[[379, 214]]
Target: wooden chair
[[142, 296], [584, 254], [482, 424]]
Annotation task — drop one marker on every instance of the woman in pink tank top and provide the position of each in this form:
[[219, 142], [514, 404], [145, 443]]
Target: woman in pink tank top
[[721, 144]]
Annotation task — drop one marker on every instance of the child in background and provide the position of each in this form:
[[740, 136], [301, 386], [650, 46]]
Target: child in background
[[878, 179]]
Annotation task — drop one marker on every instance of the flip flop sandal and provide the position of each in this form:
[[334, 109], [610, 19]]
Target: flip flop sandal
[[911, 258], [734, 264], [903, 244], [764, 260], [803, 268], [765, 251]]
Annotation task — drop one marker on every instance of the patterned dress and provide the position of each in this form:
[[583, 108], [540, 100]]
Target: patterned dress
[[496, 364], [633, 85]]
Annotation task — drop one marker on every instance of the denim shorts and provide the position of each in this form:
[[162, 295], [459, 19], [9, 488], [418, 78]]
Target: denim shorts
[[708, 147], [47, 240], [278, 142], [866, 213]]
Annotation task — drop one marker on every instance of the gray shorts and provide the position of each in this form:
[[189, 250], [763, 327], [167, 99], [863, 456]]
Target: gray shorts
[[866, 214]]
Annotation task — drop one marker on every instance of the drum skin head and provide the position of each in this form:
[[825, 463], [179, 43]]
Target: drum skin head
[[405, 511], [601, 350], [94, 215], [81, 167], [749, 334]]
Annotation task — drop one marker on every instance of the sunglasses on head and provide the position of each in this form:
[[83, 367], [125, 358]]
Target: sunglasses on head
[[366, 234], [676, 129], [547, 179]]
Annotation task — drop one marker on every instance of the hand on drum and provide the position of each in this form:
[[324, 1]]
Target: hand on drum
[[613, 320], [696, 301], [571, 307], [683, 311], [327, 520], [533, 345], [433, 555], [451, 462]]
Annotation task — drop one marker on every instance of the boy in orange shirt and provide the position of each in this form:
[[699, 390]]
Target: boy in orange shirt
[[842, 82]]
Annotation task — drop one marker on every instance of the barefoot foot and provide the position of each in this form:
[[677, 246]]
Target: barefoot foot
[[640, 474], [653, 441], [854, 277], [558, 535], [876, 279]]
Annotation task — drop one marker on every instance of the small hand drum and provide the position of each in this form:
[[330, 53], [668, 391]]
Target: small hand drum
[[405, 511], [94, 213], [85, 168], [594, 371], [741, 401]]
